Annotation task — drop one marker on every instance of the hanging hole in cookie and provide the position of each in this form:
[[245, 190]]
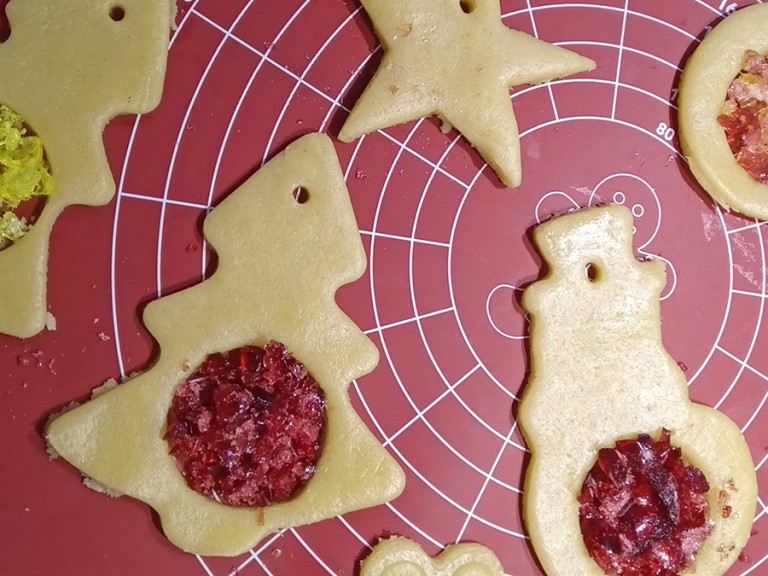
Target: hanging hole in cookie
[[593, 273], [5, 25], [117, 13], [300, 194], [468, 6]]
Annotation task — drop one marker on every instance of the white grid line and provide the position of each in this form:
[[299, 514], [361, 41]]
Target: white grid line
[[354, 532], [487, 480], [312, 553], [755, 335], [169, 202], [619, 59], [536, 34], [410, 320], [230, 126], [741, 361], [204, 565], [177, 143], [299, 82], [410, 240], [750, 294], [423, 412]]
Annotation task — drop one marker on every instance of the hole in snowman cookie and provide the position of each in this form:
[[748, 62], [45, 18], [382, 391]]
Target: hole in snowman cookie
[[592, 271], [246, 426], [642, 510]]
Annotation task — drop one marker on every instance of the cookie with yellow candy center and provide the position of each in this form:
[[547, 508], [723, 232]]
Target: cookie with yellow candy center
[[457, 60], [286, 240], [599, 374], [400, 556], [67, 69]]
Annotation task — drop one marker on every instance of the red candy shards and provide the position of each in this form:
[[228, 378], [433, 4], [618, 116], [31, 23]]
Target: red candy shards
[[246, 427], [642, 510]]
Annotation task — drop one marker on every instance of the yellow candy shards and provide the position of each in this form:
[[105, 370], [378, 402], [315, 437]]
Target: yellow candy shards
[[24, 173]]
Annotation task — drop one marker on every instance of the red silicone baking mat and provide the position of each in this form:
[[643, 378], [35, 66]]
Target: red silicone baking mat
[[449, 252]]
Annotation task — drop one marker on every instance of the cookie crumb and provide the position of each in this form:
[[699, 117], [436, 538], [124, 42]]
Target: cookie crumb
[[108, 385]]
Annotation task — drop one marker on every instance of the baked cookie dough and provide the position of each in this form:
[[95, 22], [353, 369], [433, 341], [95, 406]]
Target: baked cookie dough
[[456, 60], [280, 263], [67, 69], [599, 373], [703, 87], [398, 556]]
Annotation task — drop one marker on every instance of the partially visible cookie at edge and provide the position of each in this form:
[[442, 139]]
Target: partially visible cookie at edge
[[399, 556], [68, 68], [704, 84]]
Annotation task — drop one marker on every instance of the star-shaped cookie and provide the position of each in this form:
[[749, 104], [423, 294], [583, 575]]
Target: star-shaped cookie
[[281, 260], [455, 59], [67, 69]]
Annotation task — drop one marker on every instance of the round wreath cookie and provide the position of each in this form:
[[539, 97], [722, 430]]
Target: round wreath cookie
[[704, 88]]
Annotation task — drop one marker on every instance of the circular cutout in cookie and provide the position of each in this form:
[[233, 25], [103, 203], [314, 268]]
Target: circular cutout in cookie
[[642, 510], [246, 427]]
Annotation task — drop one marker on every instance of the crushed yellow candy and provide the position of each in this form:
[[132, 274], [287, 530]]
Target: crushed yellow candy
[[24, 173], [12, 228]]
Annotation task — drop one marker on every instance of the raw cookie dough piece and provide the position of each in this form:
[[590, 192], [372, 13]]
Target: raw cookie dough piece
[[67, 69], [399, 556], [280, 264], [455, 59], [703, 87], [599, 373]]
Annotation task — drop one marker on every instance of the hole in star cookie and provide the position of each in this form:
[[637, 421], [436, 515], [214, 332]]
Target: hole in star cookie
[[593, 272], [246, 426], [468, 6], [25, 177], [300, 194], [117, 13]]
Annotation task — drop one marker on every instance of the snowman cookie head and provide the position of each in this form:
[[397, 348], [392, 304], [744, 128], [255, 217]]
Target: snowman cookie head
[[579, 283]]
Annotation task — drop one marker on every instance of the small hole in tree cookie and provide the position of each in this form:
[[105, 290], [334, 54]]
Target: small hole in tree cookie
[[593, 272], [468, 6], [300, 194], [117, 13]]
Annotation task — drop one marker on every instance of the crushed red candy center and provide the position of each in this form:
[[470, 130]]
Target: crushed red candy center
[[642, 510], [246, 427], [745, 116]]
